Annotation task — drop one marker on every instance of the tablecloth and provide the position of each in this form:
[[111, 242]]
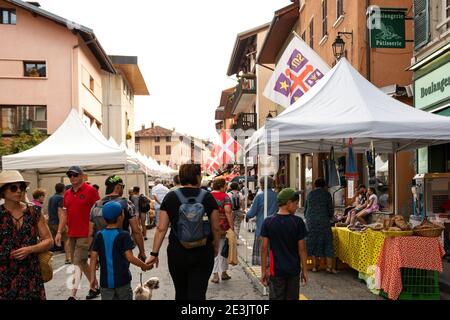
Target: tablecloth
[[360, 250], [407, 252]]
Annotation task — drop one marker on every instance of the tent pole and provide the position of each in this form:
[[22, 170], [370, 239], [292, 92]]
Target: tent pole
[[266, 151], [126, 177], [245, 205], [395, 185]]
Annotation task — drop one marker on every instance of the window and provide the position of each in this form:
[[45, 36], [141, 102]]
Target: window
[[168, 150], [157, 151], [91, 84], [324, 18], [168, 163], [311, 33], [7, 16], [137, 147], [168, 139], [304, 35], [18, 119], [339, 8], [36, 69], [159, 162], [157, 139]]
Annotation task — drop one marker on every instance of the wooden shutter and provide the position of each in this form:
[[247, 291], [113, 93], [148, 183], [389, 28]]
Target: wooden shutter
[[421, 23]]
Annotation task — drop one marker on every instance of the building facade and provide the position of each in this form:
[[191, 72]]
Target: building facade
[[169, 147], [119, 90], [431, 67], [48, 67]]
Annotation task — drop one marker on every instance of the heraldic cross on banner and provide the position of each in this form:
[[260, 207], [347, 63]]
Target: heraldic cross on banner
[[297, 71]]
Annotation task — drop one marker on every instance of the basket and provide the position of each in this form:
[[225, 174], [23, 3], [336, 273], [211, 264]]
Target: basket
[[431, 233], [392, 234]]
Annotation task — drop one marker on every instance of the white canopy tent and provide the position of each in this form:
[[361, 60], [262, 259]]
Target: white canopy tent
[[346, 105], [73, 143]]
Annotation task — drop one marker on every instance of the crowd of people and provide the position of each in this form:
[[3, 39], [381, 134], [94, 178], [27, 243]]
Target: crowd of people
[[104, 231]]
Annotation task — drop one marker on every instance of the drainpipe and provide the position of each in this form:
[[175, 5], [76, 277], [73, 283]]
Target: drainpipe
[[368, 58]]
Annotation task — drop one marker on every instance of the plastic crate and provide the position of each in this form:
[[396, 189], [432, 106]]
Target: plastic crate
[[418, 284]]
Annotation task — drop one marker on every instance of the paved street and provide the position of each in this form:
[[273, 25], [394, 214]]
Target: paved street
[[239, 287]]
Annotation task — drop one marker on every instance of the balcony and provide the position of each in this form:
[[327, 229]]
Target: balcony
[[246, 121], [244, 96]]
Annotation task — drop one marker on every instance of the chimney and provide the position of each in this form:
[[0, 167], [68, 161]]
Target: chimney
[[143, 126], [36, 4], [153, 124]]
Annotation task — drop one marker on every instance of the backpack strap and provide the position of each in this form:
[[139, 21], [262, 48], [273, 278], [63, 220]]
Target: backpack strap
[[184, 200], [181, 196], [201, 196]]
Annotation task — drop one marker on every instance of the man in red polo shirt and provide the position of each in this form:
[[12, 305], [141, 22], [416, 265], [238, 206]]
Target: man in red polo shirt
[[78, 201]]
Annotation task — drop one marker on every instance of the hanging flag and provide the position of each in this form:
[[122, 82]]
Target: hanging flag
[[227, 149], [351, 172], [297, 71]]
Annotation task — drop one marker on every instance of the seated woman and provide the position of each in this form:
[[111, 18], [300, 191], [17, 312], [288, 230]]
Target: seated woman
[[372, 205], [363, 203], [359, 199]]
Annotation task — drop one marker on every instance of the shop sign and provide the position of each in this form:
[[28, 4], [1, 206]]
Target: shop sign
[[389, 32], [432, 88]]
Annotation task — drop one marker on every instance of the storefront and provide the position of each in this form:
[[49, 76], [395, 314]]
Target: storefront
[[432, 94]]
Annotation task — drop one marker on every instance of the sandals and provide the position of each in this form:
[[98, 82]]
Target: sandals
[[332, 271], [226, 277], [214, 280]]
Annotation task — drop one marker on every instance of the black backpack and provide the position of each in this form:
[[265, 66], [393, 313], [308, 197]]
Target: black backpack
[[144, 204]]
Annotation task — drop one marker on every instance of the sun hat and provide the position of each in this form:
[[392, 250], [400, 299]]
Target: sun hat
[[285, 195], [111, 210], [11, 176]]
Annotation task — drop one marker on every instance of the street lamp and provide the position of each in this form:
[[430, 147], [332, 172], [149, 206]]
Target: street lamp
[[339, 44], [338, 47]]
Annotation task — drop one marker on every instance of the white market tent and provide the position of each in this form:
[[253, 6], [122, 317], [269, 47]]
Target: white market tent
[[73, 143], [346, 105]]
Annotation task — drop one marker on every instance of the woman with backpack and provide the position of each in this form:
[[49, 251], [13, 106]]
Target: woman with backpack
[[237, 203], [190, 256], [226, 222]]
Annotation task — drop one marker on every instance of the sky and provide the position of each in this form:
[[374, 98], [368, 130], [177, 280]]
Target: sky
[[183, 48]]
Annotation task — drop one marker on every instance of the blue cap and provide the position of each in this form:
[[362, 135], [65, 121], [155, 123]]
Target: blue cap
[[111, 210], [75, 169]]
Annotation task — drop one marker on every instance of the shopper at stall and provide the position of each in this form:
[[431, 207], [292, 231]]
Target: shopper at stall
[[24, 234], [257, 210], [318, 212]]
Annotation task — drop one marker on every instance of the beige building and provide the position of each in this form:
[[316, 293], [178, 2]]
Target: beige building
[[49, 66], [169, 147], [119, 90]]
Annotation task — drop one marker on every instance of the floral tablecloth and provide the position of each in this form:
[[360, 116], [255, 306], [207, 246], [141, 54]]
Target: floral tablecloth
[[407, 252]]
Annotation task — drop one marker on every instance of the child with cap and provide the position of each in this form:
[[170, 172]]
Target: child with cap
[[114, 248], [285, 233]]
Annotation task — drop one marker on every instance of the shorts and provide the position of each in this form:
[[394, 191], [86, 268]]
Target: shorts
[[54, 230], [284, 288], [79, 249], [121, 293]]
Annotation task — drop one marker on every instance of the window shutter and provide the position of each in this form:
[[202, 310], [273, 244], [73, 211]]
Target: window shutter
[[421, 23]]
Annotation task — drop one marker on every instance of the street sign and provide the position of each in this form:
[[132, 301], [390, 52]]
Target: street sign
[[390, 31]]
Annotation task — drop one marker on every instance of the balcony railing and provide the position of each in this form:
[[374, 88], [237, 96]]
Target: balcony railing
[[246, 121], [245, 86]]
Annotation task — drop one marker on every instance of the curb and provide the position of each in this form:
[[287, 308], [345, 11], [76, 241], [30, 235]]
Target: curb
[[249, 272]]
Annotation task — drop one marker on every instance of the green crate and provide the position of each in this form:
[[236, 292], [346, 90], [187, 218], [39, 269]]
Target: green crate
[[418, 284]]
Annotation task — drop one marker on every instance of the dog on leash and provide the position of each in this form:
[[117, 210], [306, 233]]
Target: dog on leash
[[145, 291]]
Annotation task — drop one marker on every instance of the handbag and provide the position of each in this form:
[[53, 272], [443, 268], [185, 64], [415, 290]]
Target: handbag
[[225, 249], [46, 265], [45, 258]]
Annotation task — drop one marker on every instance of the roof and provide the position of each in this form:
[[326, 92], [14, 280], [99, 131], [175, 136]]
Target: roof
[[128, 66], [243, 39], [85, 33], [156, 131], [280, 29]]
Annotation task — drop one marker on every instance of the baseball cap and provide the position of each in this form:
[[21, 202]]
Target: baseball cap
[[285, 195], [111, 210], [75, 169], [113, 180]]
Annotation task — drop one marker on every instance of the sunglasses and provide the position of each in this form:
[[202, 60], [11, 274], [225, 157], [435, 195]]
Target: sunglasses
[[14, 187], [70, 175]]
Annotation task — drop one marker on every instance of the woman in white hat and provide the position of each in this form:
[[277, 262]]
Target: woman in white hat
[[21, 225]]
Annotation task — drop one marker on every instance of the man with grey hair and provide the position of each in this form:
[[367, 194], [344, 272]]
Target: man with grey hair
[[159, 191], [257, 210]]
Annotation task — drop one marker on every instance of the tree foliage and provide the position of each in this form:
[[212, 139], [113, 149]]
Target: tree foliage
[[20, 143]]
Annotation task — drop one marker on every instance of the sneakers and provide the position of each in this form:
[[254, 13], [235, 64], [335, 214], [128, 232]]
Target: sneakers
[[68, 262], [93, 294], [72, 299]]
